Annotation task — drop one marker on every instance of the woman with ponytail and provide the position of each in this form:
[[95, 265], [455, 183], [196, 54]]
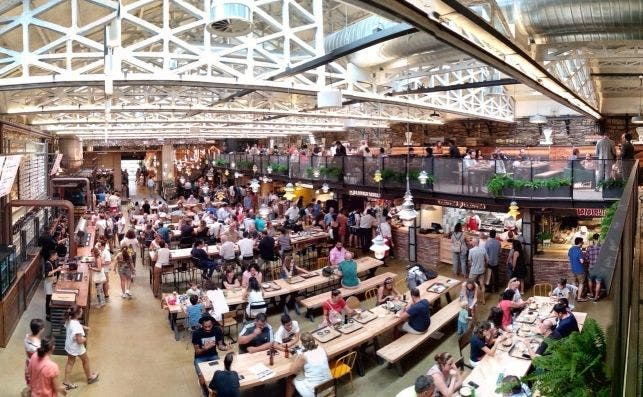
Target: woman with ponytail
[[43, 372], [75, 346]]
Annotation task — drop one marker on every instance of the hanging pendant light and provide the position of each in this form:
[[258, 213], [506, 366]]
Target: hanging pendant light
[[254, 185], [423, 177], [378, 176], [379, 247], [254, 168], [233, 165], [513, 210], [265, 179], [289, 191], [316, 172], [269, 170], [226, 172], [408, 213], [325, 188], [639, 119]]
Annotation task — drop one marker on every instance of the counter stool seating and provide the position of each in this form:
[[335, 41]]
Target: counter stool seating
[[542, 289], [326, 389], [344, 366]]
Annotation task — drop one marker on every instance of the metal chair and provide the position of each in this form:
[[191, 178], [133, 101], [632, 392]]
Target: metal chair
[[353, 302], [371, 296], [344, 366], [542, 289], [228, 320], [326, 389]]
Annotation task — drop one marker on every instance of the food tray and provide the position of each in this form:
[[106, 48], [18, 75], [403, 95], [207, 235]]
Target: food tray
[[501, 346], [310, 275], [326, 334], [350, 327], [365, 316], [437, 288], [520, 348], [527, 317], [271, 286], [295, 279], [524, 333]]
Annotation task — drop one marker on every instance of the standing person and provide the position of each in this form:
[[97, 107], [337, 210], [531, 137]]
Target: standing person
[[311, 366], [43, 372], [416, 315], [51, 276], [285, 247], [366, 230], [454, 152], [225, 383], [33, 342], [594, 279], [387, 234], [478, 258], [516, 263], [106, 258], [98, 276], [627, 155], [162, 259], [493, 250], [469, 295], [266, 249], [605, 153], [575, 255], [75, 346], [459, 251], [340, 150], [353, 228], [125, 267]]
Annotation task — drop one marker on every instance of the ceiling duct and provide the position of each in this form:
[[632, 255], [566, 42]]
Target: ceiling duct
[[566, 21], [387, 51], [230, 18]]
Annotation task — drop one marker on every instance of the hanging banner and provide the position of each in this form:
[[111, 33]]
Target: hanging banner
[[56, 167], [8, 171]]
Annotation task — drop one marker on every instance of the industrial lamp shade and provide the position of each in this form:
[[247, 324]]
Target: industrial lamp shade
[[325, 188], [264, 211], [513, 210], [269, 170], [379, 247], [408, 213], [637, 119], [289, 192], [254, 185], [329, 98], [423, 177]]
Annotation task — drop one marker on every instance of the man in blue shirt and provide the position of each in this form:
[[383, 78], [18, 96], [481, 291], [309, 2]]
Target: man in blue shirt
[[576, 262], [417, 316], [164, 232], [493, 249], [566, 321]]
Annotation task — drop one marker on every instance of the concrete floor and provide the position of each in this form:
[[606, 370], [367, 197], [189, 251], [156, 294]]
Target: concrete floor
[[132, 347]]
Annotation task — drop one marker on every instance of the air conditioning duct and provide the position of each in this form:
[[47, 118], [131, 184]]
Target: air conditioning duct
[[230, 18]]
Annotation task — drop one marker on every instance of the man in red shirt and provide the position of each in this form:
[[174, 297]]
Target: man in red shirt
[[334, 308]]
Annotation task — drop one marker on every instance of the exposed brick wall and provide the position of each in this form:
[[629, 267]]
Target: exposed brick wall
[[549, 271]]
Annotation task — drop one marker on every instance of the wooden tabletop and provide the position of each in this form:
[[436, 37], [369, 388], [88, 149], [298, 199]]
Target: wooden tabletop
[[81, 286], [364, 285], [489, 369], [283, 366], [235, 297]]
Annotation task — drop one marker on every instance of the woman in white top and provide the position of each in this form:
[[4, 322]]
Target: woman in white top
[[131, 242], [446, 376], [312, 366], [32, 341], [162, 259], [254, 296], [75, 346]]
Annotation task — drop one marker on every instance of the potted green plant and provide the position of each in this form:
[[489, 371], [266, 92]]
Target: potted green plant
[[500, 185], [220, 162], [551, 187], [278, 168], [245, 164], [612, 188], [545, 237], [574, 366]]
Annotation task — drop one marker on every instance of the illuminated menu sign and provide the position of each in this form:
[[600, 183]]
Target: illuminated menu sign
[[461, 204], [8, 170], [593, 212]]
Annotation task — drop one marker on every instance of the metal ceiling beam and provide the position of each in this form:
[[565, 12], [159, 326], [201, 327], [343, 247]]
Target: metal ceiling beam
[[409, 13], [463, 86], [391, 33]]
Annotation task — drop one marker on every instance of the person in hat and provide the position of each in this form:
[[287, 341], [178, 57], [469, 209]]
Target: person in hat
[[205, 341]]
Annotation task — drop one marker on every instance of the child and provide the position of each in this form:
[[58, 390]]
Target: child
[[463, 318], [194, 290], [562, 290], [194, 312]]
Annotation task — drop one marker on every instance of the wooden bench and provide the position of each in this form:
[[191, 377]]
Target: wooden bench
[[400, 347], [318, 300], [548, 174]]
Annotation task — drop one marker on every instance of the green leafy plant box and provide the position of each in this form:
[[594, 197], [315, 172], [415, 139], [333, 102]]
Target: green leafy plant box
[[614, 193], [562, 191]]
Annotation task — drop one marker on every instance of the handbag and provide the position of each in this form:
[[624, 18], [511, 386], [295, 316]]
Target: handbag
[[456, 246], [98, 277], [327, 271]]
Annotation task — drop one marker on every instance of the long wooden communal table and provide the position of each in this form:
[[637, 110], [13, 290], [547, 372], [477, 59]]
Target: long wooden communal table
[[487, 373], [282, 367], [235, 297]]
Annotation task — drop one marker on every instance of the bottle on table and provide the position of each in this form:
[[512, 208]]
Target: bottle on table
[[271, 353]]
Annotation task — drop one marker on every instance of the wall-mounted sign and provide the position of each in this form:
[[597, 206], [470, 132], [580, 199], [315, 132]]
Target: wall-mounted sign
[[461, 204], [8, 170], [363, 193], [593, 212]]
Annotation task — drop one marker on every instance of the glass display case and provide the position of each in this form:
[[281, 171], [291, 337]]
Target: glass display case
[[8, 268]]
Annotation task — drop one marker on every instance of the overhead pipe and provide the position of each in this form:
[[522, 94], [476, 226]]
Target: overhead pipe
[[88, 190], [66, 204]]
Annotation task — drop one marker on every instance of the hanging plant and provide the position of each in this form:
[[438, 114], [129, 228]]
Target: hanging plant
[[606, 222]]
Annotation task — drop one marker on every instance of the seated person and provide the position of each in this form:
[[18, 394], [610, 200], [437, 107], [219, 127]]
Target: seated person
[[205, 341], [566, 320], [255, 336], [423, 387], [347, 270], [416, 314], [335, 308], [254, 296], [387, 291], [207, 264], [546, 328], [193, 312], [311, 366], [225, 383], [194, 289], [562, 290], [337, 254], [217, 299], [446, 376], [227, 250], [506, 304], [230, 279], [252, 271], [287, 335], [483, 342]]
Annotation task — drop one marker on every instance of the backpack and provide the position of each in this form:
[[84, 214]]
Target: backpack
[[351, 219], [417, 274]]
